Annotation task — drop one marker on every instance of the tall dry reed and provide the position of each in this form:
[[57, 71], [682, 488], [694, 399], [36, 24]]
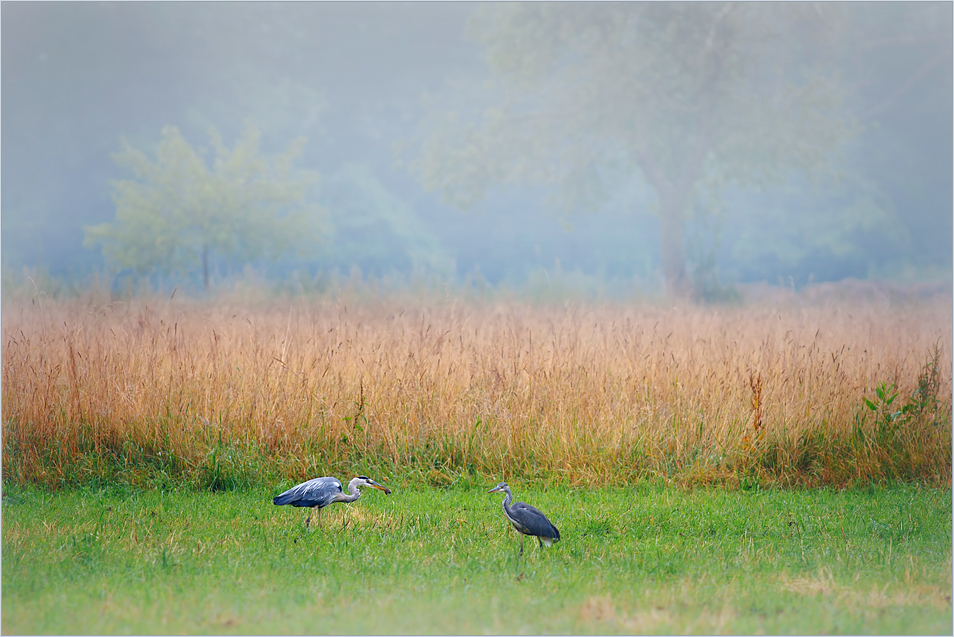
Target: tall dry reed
[[577, 394]]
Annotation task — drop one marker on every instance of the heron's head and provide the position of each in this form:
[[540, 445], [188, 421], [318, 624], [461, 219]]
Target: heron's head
[[500, 487], [365, 481]]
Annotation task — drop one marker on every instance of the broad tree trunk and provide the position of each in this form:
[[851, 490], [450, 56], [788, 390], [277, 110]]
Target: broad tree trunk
[[205, 267], [673, 202], [671, 222]]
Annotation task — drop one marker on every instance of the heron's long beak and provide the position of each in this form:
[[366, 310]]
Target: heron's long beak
[[494, 490], [381, 487]]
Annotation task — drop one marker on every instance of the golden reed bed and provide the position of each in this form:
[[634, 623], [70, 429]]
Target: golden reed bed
[[577, 393]]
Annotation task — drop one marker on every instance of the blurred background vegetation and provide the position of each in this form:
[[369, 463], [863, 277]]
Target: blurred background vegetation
[[200, 144]]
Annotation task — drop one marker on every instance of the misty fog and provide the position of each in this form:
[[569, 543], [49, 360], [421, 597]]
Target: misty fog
[[399, 103]]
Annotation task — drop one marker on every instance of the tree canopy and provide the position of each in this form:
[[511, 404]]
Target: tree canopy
[[178, 211], [692, 97]]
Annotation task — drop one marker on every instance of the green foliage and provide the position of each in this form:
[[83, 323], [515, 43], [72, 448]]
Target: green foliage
[[637, 559], [886, 394], [373, 229], [923, 402], [177, 211], [849, 221]]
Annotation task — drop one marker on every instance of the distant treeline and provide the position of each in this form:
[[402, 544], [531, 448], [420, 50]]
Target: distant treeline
[[859, 93]]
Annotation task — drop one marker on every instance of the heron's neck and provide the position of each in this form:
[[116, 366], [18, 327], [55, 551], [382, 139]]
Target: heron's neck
[[355, 492], [506, 502]]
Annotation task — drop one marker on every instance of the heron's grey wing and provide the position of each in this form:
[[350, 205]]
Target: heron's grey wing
[[319, 492], [531, 521]]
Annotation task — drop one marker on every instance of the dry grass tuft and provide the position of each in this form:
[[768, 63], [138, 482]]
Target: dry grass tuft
[[824, 585], [597, 608], [219, 396]]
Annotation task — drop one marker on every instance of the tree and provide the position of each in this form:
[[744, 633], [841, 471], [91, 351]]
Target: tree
[[693, 97], [177, 212], [375, 230]]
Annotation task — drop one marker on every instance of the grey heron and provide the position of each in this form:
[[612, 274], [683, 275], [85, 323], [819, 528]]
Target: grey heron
[[318, 493], [527, 520]]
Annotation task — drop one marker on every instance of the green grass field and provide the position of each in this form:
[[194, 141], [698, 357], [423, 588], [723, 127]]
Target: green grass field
[[649, 558]]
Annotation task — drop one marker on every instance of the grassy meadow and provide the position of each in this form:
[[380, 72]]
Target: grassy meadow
[[777, 468], [645, 559]]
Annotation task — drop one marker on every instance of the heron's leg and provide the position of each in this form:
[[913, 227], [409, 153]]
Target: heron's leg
[[521, 544], [308, 519]]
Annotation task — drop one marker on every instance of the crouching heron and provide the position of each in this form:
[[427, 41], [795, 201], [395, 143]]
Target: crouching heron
[[527, 520], [318, 493]]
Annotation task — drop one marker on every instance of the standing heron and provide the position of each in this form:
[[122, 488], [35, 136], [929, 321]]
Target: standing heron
[[318, 493], [527, 520]]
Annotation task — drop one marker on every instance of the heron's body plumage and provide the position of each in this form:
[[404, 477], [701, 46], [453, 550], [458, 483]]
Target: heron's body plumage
[[318, 493], [531, 521], [527, 520]]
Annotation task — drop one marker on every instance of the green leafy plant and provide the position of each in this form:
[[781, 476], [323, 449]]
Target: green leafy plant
[[923, 400], [885, 397]]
